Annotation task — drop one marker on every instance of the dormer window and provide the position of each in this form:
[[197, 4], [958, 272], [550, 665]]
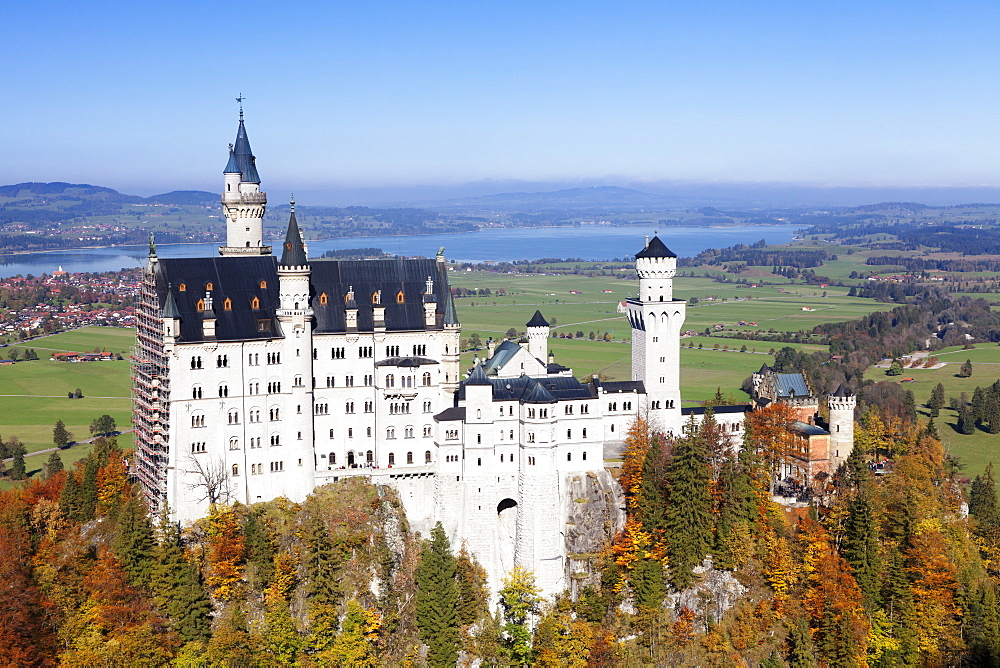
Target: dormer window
[[263, 285], [182, 287], [255, 303], [377, 297], [200, 305], [400, 298], [323, 300], [209, 286], [227, 304]]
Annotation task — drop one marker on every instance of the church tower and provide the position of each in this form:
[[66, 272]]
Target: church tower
[[243, 203], [656, 319]]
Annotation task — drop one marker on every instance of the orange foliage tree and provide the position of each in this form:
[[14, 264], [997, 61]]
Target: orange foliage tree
[[767, 434], [226, 553]]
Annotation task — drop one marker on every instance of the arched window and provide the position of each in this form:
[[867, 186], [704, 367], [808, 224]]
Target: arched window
[[333, 458], [427, 457], [390, 432], [255, 303], [392, 459], [400, 298], [227, 304], [182, 287], [263, 285], [409, 457], [234, 443], [426, 378], [236, 469], [200, 305], [323, 299], [370, 457], [377, 297], [209, 286]]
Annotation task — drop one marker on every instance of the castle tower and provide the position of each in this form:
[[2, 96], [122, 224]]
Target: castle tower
[[841, 404], [538, 337], [243, 203], [295, 316], [656, 319]]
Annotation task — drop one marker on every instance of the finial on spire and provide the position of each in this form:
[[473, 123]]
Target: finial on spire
[[240, 100], [292, 202]]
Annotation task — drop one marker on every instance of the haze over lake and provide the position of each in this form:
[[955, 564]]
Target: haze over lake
[[496, 245]]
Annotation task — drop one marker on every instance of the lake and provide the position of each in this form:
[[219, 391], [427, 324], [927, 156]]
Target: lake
[[587, 242]]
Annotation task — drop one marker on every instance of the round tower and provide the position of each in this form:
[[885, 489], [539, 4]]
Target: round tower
[[538, 337], [243, 203], [841, 404], [657, 319]]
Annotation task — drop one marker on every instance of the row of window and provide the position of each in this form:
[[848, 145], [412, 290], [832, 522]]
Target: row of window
[[408, 381], [182, 287], [626, 406], [221, 362], [655, 405], [369, 458]]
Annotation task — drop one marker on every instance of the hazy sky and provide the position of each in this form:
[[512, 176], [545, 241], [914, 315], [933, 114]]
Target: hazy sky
[[140, 96]]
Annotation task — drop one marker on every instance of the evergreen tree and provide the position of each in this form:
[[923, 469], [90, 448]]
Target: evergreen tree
[[801, 650], [473, 594], [688, 519], [937, 400], [437, 596], [53, 465], [88, 489], [737, 505], [60, 436], [983, 498], [18, 470], [133, 542], [176, 587], [648, 583], [991, 409], [966, 369], [322, 563], [281, 639], [650, 504], [520, 600], [860, 547], [966, 425], [978, 407], [895, 369], [69, 499], [260, 545]]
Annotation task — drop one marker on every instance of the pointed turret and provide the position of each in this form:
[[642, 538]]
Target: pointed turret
[[245, 159], [232, 167], [538, 337], [655, 248], [478, 377], [537, 320], [170, 309], [294, 253]]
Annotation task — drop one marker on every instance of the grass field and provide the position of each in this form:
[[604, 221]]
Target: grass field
[[33, 394], [83, 340]]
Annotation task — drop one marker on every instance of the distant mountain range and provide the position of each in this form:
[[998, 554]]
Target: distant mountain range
[[31, 193], [595, 197]]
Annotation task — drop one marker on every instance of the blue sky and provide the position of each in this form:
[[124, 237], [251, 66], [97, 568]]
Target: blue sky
[[140, 96]]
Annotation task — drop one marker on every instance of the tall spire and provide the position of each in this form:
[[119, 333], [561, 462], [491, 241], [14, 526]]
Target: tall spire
[[245, 159], [294, 253]]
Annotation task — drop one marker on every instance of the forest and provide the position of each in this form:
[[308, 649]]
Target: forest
[[882, 569]]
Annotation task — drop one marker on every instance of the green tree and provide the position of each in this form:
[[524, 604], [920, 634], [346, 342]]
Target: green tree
[[53, 465], [519, 598], [801, 650], [689, 513], [737, 507], [322, 564], [437, 596], [176, 588], [936, 402], [133, 541], [511, 333], [966, 370], [983, 498], [966, 424], [895, 369], [281, 639], [60, 436], [88, 489], [860, 546], [473, 593], [103, 425], [475, 341], [18, 470]]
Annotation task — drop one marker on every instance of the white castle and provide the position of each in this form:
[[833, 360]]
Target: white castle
[[257, 377]]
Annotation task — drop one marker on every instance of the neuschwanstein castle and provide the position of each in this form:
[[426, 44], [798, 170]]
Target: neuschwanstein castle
[[257, 377]]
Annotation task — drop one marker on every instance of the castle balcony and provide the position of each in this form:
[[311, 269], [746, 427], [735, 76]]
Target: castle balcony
[[253, 198], [246, 250]]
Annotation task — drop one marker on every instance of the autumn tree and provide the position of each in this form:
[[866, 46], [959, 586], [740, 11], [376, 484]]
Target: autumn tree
[[768, 436], [226, 547], [437, 596], [637, 441], [519, 598]]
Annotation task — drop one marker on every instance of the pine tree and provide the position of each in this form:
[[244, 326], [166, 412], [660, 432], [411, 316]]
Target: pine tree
[[282, 641], [650, 503], [18, 470], [966, 425], [983, 498], [860, 547], [69, 499], [978, 407], [966, 370], [689, 514], [801, 650], [936, 402], [88, 489], [260, 551], [737, 506], [60, 436], [437, 596], [322, 564], [176, 587], [473, 594], [648, 583], [53, 465], [133, 542]]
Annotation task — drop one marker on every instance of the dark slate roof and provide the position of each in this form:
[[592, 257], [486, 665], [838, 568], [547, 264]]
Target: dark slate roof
[[790, 385], [336, 277], [537, 320], [656, 248], [294, 253], [477, 377], [557, 388], [763, 369], [842, 391], [501, 355], [809, 429], [538, 394], [718, 410], [232, 167], [450, 316], [624, 386], [245, 159], [235, 278], [239, 278], [455, 413], [554, 367], [406, 362]]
